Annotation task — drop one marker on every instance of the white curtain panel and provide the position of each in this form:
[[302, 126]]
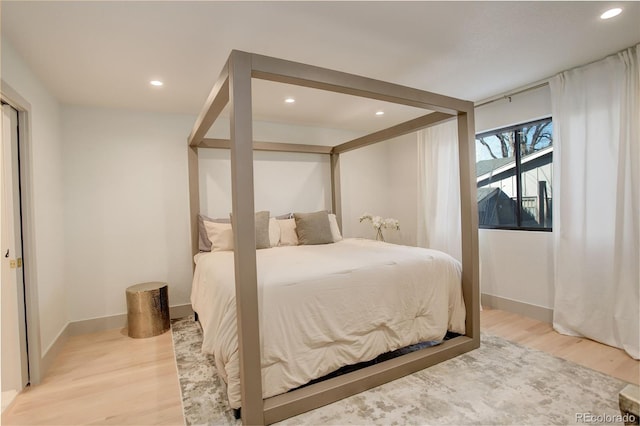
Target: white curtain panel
[[439, 189], [596, 201]]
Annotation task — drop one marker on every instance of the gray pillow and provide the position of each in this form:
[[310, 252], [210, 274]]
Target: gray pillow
[[203, 241], [313, 228], [262, 230]]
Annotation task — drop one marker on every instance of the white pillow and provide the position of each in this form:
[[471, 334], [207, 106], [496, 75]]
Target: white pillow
[[288, 235], [220, 235], [274, 232], [335, 229]]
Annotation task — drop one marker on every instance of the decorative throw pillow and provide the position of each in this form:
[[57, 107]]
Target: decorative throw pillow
[[313, 228], [203, 240], [220, 235], [262, 229], [335, 229], [274, 232], [288, 236]]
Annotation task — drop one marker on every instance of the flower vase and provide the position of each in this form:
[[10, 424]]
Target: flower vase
[[379, 236]]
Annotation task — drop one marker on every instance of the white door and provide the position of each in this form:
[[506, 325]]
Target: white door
[[14, 372]]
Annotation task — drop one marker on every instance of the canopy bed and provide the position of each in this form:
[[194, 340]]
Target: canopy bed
[[233, 87]]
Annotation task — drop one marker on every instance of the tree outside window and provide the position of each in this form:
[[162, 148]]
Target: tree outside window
[[514, 175]]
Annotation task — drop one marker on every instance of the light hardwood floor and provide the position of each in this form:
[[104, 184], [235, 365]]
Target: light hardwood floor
[[105, 378], [539, 335], [108, 378]]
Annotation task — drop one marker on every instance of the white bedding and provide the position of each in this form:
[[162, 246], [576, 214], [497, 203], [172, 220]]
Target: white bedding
[[326, 306]]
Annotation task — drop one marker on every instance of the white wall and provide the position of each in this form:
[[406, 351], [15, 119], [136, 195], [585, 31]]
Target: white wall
[[374, 179], [365, 188], [46, 168], [283, 182], [126, 200], [527, 106], [302, 182], [403, 180], [381, 179], [516, 265]]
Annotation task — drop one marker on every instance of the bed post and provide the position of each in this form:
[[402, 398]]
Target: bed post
[[194, 198], [469, 224], [336, 195], [243, 222]]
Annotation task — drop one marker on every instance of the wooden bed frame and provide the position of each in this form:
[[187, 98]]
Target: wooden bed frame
[[233, 87]]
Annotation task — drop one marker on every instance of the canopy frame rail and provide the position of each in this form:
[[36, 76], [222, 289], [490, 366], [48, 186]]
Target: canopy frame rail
[[233, 87]]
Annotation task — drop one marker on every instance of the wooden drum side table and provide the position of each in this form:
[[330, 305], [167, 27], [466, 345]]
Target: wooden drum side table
[[147, 309]]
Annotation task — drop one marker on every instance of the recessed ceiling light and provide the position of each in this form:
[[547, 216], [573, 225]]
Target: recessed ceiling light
[[379, 112], [156, 83], [611, 13], [289, 100]]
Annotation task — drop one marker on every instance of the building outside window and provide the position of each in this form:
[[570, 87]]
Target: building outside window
[[514, 175]]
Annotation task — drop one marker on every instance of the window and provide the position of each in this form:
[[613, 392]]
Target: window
[[514, 174]]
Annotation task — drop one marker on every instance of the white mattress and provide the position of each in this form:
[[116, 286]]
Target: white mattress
[[326, 306]]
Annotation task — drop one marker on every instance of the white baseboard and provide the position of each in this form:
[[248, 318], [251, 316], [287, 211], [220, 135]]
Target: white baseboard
[[180, 311], [51, 353], [8, 398], [95, 325], [536, 312]]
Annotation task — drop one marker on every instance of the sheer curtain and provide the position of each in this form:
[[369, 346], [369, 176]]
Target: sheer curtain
[[596, 202], [439, 189]]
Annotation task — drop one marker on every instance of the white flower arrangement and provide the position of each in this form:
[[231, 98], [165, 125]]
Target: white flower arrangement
[[378, 223]]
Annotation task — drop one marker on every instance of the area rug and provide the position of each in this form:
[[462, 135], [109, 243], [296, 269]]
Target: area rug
[[501, 383]]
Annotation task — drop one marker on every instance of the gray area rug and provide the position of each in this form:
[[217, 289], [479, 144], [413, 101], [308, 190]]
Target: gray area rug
[[501, 383]]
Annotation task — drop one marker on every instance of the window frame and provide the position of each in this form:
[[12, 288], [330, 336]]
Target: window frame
[[517, 129]]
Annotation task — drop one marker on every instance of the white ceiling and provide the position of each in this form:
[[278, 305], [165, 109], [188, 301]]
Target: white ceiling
[[103, 53]]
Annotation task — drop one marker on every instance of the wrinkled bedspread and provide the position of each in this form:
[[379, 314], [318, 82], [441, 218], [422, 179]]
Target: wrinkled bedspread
[[326, 306]]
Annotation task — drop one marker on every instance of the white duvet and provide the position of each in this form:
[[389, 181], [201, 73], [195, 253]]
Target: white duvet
[[326, 306]]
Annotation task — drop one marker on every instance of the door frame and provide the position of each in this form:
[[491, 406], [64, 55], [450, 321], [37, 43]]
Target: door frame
[[32, 313]]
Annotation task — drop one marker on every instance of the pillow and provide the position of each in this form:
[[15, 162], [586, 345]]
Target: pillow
[[313, 228], [288, 236], [220, 235], [274, 232], [225, 241], [262, 229], [204, 244], [335, 229], [285, 216]]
